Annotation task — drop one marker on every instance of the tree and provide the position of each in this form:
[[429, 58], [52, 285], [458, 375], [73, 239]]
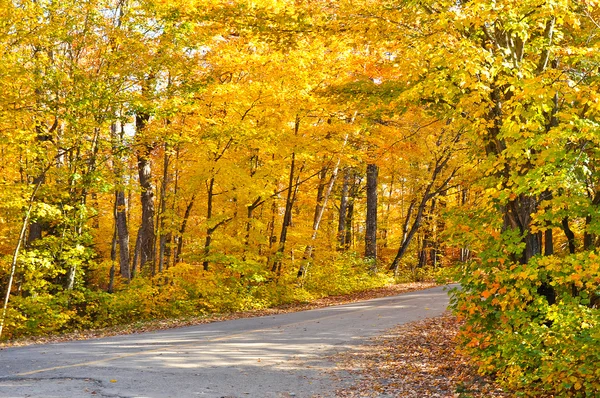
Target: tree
[[371, 222], [521, 96]]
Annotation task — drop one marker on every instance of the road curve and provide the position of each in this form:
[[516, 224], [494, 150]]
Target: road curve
[[271, 356]]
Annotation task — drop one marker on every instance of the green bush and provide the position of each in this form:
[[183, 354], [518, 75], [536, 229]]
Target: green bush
[[533, 345]]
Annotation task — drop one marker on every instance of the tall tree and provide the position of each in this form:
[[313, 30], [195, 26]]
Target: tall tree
[[371, 221]]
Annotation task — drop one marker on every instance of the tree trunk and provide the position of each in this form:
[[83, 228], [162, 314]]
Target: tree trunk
[[569, 234], [122, 234], [287, 217], [430, 192], [341, 231], [13, 265], [588, 237], [349, 222], [163, 235], [113, 258], [371, 221], [322, 198], [250, 215], [120, 210], [349, 235], [146, 232], [208, 239], [385, 230], [182, 229], [320, 193], [427, 245]]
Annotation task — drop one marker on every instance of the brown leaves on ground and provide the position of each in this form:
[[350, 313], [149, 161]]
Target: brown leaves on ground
[[418, 359], [149, 326]]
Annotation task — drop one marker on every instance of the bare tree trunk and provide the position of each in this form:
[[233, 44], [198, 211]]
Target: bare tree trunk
[[146, 232], [371, 221]]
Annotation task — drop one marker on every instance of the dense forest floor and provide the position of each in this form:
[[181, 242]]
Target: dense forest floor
[[418, 359], [148, 326]]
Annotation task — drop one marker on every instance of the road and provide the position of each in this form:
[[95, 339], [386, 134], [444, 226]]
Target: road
[[273, 356]]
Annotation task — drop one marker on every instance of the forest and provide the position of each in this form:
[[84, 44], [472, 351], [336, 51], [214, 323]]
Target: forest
[[163, 159]]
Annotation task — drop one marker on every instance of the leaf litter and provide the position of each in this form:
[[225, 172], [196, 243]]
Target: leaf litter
[[417, 359]]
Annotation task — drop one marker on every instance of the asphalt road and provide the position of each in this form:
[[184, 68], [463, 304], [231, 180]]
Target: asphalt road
[[273, 356]]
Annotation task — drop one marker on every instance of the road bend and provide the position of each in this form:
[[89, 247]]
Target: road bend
[[286, 355]]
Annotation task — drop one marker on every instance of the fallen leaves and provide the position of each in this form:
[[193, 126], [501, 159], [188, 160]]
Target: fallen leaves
[[418, 359]]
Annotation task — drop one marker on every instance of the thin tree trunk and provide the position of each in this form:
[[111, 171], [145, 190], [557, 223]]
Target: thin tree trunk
[[548, 236], [464, 251], [407, 235], [428, 194], [271, 226], [162, 247], [354, 189], [349, 238], [319, 211], [13, 265], [341, 231], [287, 217], [91, 167], [136, 255], [385, 230], [122, 234], [250, 215], [320, 193], [569, 234], [589, 238], [182, 229], [210, 193], [113, 258], [209, 211]]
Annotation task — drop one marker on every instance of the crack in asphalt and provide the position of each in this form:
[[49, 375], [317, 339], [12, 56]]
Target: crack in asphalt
[[99, 383]]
